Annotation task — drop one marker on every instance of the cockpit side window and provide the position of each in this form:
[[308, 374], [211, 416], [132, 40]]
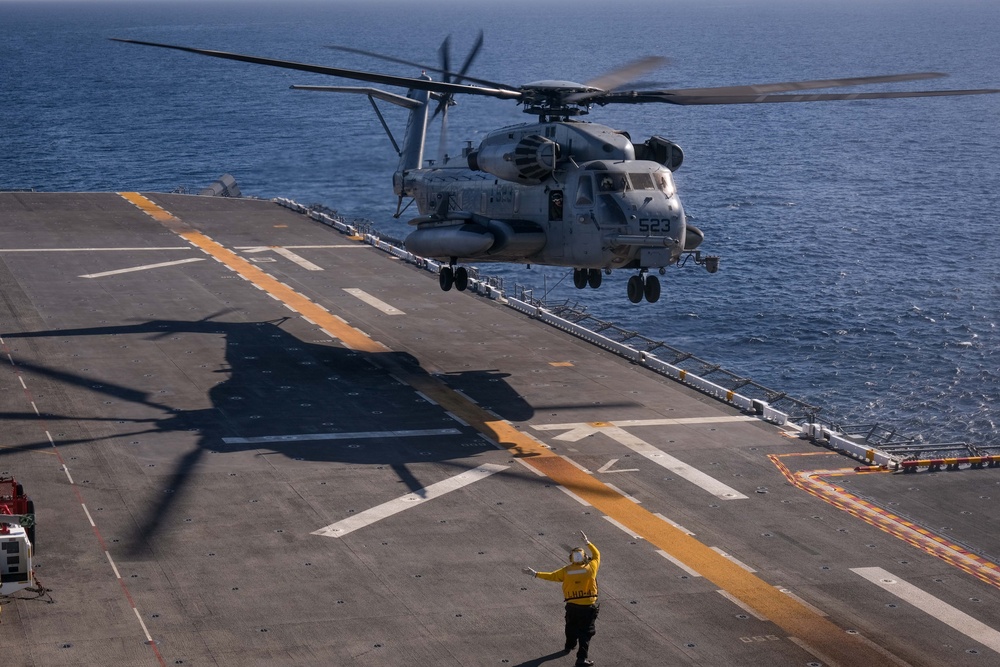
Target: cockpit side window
[[665, 181], [612, 182], [585, 193]]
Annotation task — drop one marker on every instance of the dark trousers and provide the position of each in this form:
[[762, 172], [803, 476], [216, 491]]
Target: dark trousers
[[580, 620]]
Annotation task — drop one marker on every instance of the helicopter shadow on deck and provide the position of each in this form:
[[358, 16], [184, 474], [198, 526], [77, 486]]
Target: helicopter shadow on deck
[[274, 384]]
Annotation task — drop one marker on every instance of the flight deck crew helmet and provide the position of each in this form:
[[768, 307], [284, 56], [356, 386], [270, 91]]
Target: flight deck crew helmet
[[577, 556]]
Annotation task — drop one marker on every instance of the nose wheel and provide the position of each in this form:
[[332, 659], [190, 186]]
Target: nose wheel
[[587, 277], [643, 286]]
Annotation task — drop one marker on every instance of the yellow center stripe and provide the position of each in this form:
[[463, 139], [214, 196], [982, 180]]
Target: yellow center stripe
[[830, 643]]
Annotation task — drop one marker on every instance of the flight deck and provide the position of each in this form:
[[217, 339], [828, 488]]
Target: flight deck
[[251, 439]]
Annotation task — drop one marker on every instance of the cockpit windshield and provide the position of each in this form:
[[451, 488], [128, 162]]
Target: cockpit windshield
[[663, 181]]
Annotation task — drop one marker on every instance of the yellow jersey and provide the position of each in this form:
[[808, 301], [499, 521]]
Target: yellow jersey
[[579, 580]]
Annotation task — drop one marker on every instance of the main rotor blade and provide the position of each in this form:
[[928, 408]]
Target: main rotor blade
[[638, 97], [767, 88], [386, 79], [619, 77], [458, 76]]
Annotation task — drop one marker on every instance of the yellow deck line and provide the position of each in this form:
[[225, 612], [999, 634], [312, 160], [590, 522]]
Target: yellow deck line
[[829, 642]]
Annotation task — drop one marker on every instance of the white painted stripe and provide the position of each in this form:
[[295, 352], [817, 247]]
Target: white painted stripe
[[739, 603], [298, 259], [362, 435], [35, 408], [572, 462], [466, 396], [370, 516], [674, 524], [89, 518], [21, 379], [620, 492], [816, 610], [49, 436], [693, 573], [722, 419], [628, 531], [113, 566], [567, 492], [144, 630], [809, 649], [674, 465], [732, 559], [456, 417], [90, 249], [145, 267], [685, 421], [262, 248], [525, 464], [932, 606], [66, 470], [373, 301], [426, 398]]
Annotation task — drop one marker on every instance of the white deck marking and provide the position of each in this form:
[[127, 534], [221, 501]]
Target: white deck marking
[[379, 512], [674, 524], [606, 466], [745, 607], [575, 432], [933, 606], [622, 493], [287, 254], [374, 302], [622, 527], [674, 465], [615, 431], [692, 573], [145, 267], [262, 248], [265, 439], [733, 559], [180, 247]]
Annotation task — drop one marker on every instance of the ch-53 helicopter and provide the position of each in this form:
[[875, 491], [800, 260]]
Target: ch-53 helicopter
[[559, 191]]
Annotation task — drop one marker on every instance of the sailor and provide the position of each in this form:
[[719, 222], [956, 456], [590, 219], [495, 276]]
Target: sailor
[[579, 584]]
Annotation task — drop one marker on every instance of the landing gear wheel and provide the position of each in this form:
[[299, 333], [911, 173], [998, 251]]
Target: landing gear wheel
[[635, 289], [461, 279], [594, 278], [652, 289], [446, 278], [580, 278]]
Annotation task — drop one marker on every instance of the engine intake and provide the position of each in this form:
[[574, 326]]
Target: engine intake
[[530, 160]]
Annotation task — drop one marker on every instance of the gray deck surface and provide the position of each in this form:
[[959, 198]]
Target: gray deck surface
[[163, 390]]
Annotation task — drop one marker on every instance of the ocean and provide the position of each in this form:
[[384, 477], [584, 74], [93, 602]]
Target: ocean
[[860, 260]]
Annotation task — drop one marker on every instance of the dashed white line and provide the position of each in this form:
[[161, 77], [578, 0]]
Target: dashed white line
[[361, 435], [373, 301], [617, 524], [734, 560], [691, 572]]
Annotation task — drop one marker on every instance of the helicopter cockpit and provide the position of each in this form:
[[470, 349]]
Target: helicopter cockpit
[[621, 181]]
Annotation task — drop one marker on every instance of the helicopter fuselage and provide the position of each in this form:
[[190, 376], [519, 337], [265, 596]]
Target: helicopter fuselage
[[557, 193]]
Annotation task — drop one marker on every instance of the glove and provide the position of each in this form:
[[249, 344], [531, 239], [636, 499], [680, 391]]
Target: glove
[[528, 570], [583, 536]]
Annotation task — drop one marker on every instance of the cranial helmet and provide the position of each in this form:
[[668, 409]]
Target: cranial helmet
[[576, 555]]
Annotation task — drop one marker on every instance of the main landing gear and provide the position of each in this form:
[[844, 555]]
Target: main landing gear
[[451, 276], [643, 285]]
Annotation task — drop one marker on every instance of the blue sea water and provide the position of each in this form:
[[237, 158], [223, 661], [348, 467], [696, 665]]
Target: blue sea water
[[861, 261]]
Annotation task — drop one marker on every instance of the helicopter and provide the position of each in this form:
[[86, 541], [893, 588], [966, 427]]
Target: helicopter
[[559, 191]]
